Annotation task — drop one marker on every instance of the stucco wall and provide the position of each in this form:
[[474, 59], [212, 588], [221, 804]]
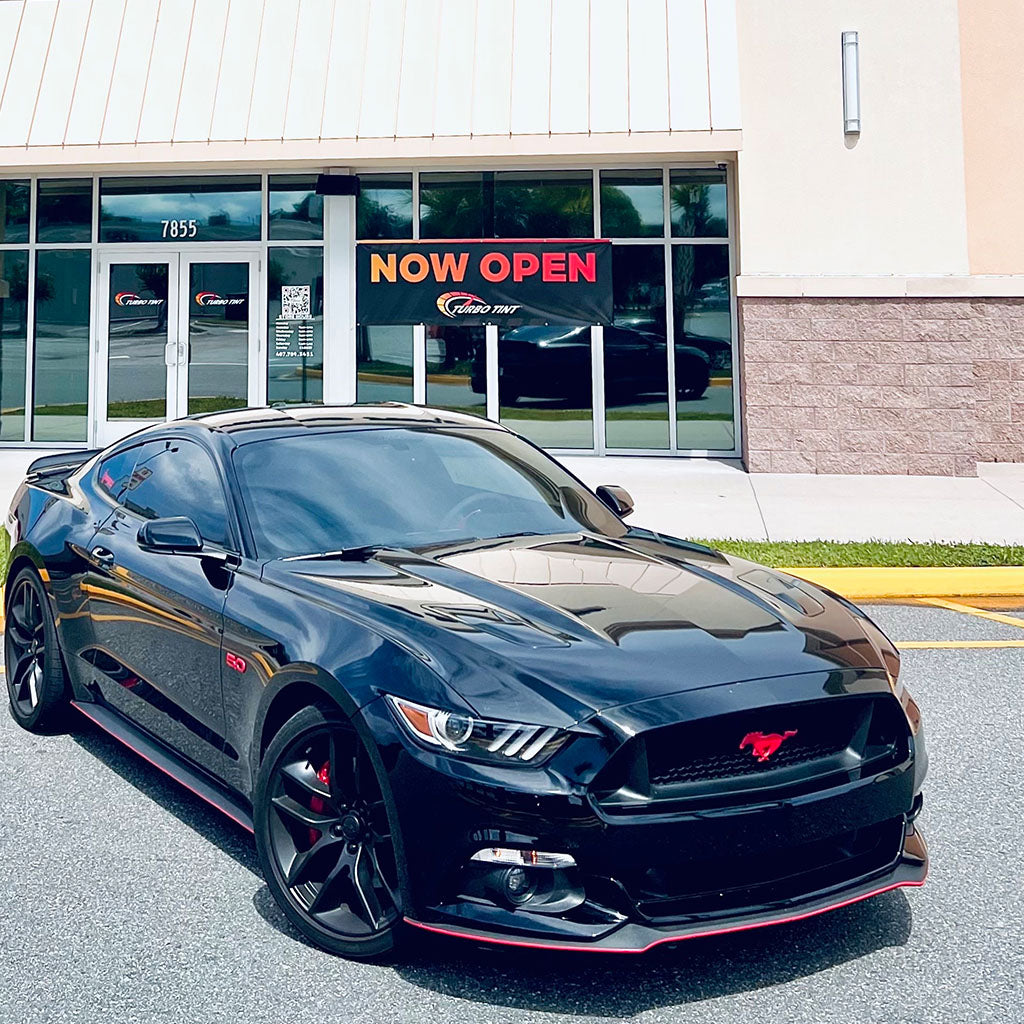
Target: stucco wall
[[991, 32], [812, 202]]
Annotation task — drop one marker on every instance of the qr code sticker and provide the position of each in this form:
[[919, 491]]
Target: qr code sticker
[[295, 302]]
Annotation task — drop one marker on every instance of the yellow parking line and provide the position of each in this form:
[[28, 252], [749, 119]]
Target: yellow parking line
[[966, 609], [921, 645]]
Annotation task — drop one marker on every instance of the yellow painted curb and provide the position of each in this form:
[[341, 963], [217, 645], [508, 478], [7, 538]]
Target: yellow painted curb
[[864, 584]]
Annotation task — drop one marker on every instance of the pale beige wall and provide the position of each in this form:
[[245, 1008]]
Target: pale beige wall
[[810, 201], [991, 36]]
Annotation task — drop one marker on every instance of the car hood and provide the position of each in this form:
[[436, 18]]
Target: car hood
[[555, 628]]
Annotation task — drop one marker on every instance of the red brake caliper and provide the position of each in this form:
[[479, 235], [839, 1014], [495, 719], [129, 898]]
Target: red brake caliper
[[316, 803]]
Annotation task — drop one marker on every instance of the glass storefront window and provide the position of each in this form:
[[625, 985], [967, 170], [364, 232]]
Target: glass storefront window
[[384, 363], [204, 209], [635, 350], [555, 204], [456, 205], [457, 369], [697, 202], [295, 292], [632, 204], [61, 345], [14, 198], [295, 210], [64, 210], [384, 206], [544, 385], [13, 338], [703, 347]]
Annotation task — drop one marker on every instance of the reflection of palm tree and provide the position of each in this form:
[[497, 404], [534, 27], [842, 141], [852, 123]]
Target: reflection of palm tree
[[153, 278], [692, 217], [377, 220]]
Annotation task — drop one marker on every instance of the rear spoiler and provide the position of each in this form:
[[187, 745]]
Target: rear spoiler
[[59, 465]]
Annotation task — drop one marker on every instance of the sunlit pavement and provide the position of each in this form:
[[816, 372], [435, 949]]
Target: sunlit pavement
[[127, 899]]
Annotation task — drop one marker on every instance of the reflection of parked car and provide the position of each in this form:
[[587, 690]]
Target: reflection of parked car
[[554, 362]]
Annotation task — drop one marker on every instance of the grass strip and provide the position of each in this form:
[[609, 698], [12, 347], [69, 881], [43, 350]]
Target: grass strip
[[835, 554]]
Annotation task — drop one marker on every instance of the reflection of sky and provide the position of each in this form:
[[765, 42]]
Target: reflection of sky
[[241, 207], [648, 201]]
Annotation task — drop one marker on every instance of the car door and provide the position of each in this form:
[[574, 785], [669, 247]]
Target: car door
[[157, 617]]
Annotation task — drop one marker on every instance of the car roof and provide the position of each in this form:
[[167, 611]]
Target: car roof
[[239, 426]]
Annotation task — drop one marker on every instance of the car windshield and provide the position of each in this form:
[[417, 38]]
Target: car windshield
[[406, 487]]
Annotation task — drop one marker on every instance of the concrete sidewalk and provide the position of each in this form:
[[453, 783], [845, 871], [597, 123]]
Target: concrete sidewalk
[[701, 498], [704, 498]]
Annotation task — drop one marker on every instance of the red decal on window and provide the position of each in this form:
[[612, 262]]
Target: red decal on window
[[107, 480], [235, 661]]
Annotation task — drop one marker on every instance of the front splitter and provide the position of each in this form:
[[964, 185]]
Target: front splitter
[[639, 938]]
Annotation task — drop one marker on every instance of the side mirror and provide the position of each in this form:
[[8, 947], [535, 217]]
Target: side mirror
[[616, 498], [176, 534]]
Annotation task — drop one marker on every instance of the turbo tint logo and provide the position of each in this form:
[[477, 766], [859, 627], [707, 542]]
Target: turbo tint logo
[[455, 304], [213, 299], [132, 299]]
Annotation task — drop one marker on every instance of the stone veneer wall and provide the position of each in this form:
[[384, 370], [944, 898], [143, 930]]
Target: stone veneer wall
[[886, 385]]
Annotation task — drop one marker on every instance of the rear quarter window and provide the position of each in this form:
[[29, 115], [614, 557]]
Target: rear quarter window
[[114, 474]]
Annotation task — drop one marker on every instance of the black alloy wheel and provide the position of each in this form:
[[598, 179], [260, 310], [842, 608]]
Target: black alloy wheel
[[324, 837], [36, 682]]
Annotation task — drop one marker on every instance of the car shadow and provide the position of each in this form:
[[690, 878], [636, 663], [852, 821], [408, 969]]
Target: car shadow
[[189, 809], [606, 985], [594, 984]]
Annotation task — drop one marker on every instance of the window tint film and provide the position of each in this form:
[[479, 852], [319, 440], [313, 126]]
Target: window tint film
[[14, 197], [697, 202], [115, 474], [204, 209], [296, 211], [13, 338], [398, 487], [178, 478], [295, 293], [62, 345], [384, 206], [383, 363], [64, 211], [632, 204]]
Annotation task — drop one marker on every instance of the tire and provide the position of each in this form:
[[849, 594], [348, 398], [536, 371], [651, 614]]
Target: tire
[[323, 836], [696, 378], [37, 684]]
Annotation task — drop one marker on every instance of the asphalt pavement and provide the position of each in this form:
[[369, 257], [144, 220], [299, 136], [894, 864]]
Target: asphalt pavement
[[124, 898]]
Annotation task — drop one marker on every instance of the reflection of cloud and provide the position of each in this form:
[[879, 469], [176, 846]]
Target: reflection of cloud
[[239, 206]]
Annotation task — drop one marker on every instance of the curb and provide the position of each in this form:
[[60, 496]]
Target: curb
[[876, 583]]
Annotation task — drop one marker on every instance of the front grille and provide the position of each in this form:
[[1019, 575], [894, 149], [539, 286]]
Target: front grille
[[725, 884], [703, 759]]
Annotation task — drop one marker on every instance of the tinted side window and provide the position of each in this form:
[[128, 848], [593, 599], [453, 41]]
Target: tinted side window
[[178, 478], [114, 474]]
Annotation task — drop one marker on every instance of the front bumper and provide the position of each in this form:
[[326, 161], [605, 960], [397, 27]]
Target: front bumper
[[648, 878]]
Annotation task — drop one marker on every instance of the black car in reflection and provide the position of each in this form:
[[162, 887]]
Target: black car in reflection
[[554, 362], [449, 689]]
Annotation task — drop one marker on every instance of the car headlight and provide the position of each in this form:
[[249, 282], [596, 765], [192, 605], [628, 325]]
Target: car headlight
[[459, 733]]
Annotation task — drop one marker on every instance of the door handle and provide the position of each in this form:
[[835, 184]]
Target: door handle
[[103, 556]]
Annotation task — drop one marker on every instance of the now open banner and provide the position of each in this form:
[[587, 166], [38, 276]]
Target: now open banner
[[508, 283]]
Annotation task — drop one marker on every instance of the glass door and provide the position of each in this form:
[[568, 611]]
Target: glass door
[[137, 344], [218, 361], [177, 335]]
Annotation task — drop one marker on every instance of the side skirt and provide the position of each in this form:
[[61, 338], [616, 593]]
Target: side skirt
[[162, 757]]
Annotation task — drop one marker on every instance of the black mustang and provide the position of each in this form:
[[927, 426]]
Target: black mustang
[[448, 688]]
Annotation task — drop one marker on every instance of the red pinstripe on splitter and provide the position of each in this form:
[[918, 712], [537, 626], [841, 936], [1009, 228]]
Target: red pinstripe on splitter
[[575, 948]]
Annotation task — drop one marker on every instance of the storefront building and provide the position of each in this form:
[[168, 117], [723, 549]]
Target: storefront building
[[183, 198]]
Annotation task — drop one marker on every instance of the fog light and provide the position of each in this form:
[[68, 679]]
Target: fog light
[[518, 885]]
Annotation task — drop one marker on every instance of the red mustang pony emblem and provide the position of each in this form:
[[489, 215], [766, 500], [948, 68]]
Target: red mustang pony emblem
[[764, 744]]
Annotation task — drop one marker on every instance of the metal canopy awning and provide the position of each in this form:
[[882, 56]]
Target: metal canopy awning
[[112, 82]]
